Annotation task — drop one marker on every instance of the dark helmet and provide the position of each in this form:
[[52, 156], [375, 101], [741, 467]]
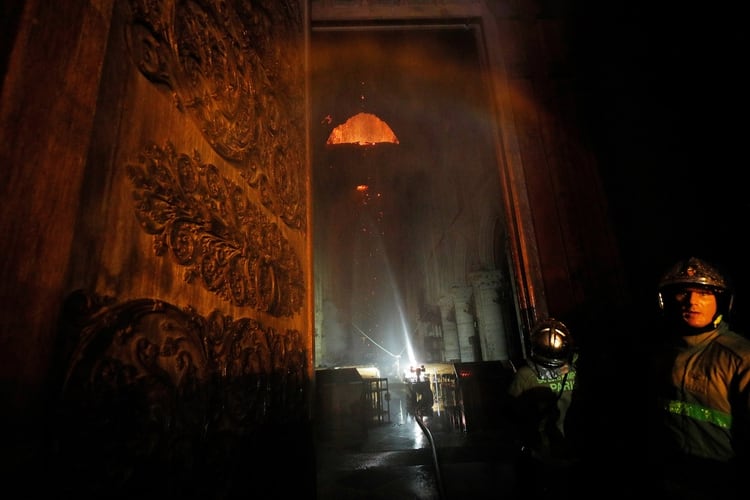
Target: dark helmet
[[551, 343], [696, 272]]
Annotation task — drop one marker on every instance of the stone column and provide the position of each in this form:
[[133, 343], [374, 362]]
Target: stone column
[[487, 302], [451, 350], [464, 321]]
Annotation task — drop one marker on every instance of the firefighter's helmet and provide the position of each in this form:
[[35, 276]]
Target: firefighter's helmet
[[696, 272], [551, 343]]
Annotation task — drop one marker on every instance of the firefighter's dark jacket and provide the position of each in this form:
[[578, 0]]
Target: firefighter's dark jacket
[[702, 395]]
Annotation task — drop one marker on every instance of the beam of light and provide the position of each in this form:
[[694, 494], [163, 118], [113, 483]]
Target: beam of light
[[404, 325], [391, 303], [404, 328]]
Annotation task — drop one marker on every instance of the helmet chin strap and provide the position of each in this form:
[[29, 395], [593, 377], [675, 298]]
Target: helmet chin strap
[[685, 330], [717, 320]]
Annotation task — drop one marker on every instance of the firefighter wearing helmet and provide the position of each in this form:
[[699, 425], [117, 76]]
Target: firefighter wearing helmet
[[701, 378], [541, 392], [551, 347]]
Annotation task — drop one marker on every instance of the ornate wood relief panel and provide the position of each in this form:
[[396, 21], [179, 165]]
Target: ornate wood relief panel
[[161, 398], [237, 69], [210, 227], [156, 399]]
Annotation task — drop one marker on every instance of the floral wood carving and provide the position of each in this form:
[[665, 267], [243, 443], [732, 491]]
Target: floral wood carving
[[236, 68], [208, 225], [150, 390]]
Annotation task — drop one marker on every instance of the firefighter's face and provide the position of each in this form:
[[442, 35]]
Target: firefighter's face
[[697, 306]]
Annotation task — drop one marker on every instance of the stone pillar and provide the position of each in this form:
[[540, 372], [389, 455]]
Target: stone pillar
[[451, 349], [464, 321], [486, 285]]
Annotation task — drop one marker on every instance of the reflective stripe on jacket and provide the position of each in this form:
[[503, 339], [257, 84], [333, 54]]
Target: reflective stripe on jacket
[[710, 387]]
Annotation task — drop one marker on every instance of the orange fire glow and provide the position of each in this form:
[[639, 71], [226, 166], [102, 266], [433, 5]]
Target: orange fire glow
[[364, 129]]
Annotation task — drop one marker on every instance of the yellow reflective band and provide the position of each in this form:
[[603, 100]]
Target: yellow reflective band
[[555, 384], [696, 412]]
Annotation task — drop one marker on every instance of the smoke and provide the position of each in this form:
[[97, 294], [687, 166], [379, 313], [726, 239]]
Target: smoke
[[334, 337]]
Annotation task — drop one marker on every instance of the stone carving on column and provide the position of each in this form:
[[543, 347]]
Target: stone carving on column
[[207, 225], [237, 70]]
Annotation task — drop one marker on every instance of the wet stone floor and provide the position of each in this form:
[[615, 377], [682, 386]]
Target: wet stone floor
[[394, 459]]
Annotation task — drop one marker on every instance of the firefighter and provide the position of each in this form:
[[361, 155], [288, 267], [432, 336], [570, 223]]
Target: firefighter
[[541, 392], [419, 395], [701, 381]]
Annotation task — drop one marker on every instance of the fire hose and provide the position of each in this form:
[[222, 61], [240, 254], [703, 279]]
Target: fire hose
[[438, 475]]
